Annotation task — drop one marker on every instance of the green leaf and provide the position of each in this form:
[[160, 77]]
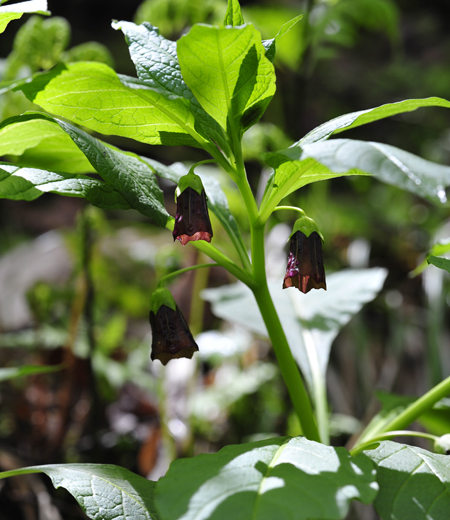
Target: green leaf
[[228, 73], [20, 183], [363, 117], [279, 478], [414, 483], [147, 115], [89, 51], [438, 249], [103, 491], [15, 11], [123, 172], [270, 45], [27, 370], [217, 200], [298, 166], [312, 321], [157, 66], [40, 143], [233, 16], [439, 261]]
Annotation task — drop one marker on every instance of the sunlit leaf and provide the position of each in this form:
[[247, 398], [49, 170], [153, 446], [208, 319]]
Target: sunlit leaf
[[414, 483], [279, 478], [228, 73], [270, 45], [233, 15], [14, 11], [147, 115]]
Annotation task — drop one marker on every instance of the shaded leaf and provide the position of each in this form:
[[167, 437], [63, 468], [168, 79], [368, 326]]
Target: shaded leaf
[[147, 115], [103, 491], [27, 370], [363, 117], [298, 166], [414, 483], [228, 73], [156, 62], [438, 249], [233, 16], [15, 11], [21, 183], [439, 261], [279, 478]]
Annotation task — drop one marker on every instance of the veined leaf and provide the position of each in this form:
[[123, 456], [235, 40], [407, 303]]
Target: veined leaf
[[156, 62], [414, 483], [363, 117], [278, 478], [228, 72], [103, 491], [91, 94], [233, 16], [124, 173], [20, 183], [27, 370], [298, 166], [15, 11]]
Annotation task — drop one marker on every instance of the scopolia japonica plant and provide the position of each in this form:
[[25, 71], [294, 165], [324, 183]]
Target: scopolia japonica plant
[[205, 91]]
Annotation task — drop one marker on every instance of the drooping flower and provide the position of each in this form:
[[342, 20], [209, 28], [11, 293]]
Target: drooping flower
[[305, 269], [171, 337], [192, 219]]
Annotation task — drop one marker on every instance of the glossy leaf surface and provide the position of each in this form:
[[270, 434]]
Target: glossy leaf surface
[[279, 478], [15, 11]]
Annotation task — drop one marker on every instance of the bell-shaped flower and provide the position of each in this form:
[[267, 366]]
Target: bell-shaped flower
[[305, 269], [192, 219], [171, 337]]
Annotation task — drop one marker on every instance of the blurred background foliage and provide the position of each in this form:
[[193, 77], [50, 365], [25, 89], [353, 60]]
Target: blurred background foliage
[[75, 281]]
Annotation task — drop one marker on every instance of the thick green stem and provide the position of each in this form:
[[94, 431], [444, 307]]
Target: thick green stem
[[288, 366], [413, 411]]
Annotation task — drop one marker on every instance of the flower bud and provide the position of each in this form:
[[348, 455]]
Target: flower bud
[[171, 337], [192, 219], [305, 269]]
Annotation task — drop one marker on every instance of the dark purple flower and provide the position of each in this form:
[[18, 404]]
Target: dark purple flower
[[171, 337], [305, 269], [192, 218]]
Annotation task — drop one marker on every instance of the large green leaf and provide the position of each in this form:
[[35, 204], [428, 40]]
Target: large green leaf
[[15, 11], [414, 483], [312, 321], [21, 183], [228, 72], [277, 479], [27, 370], [125, 174], [217, 200], [40, 143], [91, 94], [363, 117], [157, 66], [298, 166], [103, 491]]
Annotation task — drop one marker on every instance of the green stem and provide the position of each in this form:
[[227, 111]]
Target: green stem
[[415, 410], [288, 366], [167, 277], [389, 435]]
